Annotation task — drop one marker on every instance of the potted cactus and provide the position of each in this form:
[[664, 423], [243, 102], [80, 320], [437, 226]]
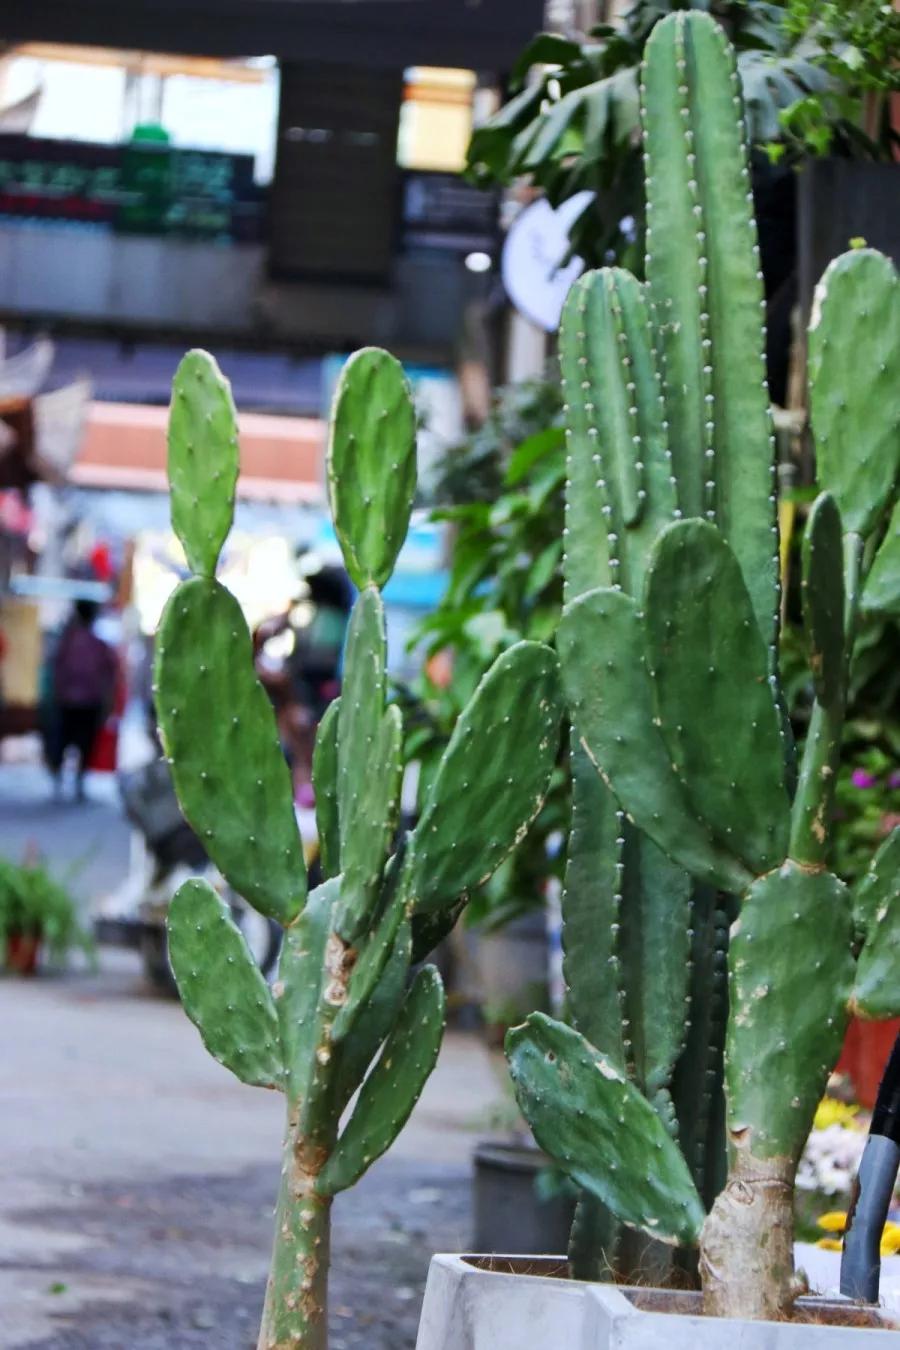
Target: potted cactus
[[352, 1011], [711, 956]]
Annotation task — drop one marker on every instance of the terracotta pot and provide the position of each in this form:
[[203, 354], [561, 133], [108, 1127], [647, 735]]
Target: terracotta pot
[[22, 950], [867, 1046]]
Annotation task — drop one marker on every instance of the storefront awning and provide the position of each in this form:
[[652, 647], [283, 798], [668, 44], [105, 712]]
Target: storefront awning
[[124, 447]]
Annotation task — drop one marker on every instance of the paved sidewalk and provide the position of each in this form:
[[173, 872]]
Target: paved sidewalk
[[137, 1179]]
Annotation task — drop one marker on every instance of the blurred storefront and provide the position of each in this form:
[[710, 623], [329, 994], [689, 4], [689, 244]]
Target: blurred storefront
[[277, 180], [281, 173]]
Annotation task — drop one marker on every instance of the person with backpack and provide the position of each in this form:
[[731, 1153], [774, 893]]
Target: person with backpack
[[85, 669]]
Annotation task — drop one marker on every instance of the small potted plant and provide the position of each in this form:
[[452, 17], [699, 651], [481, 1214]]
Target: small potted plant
[[37, 917]]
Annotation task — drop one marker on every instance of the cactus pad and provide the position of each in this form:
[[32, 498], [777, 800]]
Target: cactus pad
[[368, 787], [854, 384], [791, 974], [613, 711], [309, 969], [376, 1018], [219, 732], [882, 593], [393, 1087], [709, 671], [372, 464], [376, 948], [879, 885], [203, 459], [221, 986], [599, 1129], [876, 990], [822, 589], [325, 779], [479, 806]]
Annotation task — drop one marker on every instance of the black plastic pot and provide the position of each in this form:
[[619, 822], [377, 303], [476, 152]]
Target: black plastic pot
[[511, 1217]]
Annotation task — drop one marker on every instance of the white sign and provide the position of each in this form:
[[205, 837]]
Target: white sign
[[536, 280]]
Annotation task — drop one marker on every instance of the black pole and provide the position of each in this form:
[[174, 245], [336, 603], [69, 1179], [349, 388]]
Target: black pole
[[872, 1190]]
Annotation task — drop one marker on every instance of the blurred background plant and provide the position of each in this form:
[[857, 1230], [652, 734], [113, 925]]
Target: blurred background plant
[[38, 910], [572, 122], [501, 491], [856, 43], [816, 79]]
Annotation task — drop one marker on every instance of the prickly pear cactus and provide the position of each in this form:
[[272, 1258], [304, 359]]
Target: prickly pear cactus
[[668, 649], [343, 1014]]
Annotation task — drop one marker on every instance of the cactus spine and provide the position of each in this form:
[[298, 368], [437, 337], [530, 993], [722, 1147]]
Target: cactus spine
[[343, 1013], [668, 648]]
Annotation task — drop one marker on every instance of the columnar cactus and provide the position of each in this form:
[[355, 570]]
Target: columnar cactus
[[668, 647], [342, 1014]]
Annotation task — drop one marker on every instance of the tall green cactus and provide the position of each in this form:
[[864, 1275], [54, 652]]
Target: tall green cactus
[[339, 1016], [668, 647]]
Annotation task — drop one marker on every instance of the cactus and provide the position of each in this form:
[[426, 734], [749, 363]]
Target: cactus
[[339, 1017], [668, 649]]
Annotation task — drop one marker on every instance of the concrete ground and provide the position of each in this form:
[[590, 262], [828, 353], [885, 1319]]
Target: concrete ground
[[137, 1177]]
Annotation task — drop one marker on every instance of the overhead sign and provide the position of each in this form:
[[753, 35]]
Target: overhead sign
[[535, 272]]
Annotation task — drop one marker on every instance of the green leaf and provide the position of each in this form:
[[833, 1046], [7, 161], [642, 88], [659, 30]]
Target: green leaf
[[545, 49], [531, 452]]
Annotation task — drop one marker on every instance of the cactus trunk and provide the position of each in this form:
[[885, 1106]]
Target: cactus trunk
[[295, 1316], [747, 1242]]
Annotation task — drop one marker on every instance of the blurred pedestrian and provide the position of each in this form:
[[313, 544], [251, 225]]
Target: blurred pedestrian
[[84, 681]]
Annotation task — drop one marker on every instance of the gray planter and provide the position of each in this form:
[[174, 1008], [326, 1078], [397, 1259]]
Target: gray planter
[[505, 1303]]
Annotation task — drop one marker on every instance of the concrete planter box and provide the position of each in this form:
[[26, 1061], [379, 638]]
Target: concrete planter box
[[500, 1303]]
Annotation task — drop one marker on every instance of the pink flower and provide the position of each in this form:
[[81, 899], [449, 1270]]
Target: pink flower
[[859, 778]]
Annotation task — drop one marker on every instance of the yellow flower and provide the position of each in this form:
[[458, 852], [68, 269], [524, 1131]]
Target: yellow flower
[[832, 1112], [835, 1221], [890, 1239], [830, 1244]]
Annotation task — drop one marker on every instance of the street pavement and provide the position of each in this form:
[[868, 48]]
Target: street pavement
[[137, 1177]]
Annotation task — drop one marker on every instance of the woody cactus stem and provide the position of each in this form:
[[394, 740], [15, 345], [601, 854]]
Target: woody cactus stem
[[340, 1020], [668, 648]]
